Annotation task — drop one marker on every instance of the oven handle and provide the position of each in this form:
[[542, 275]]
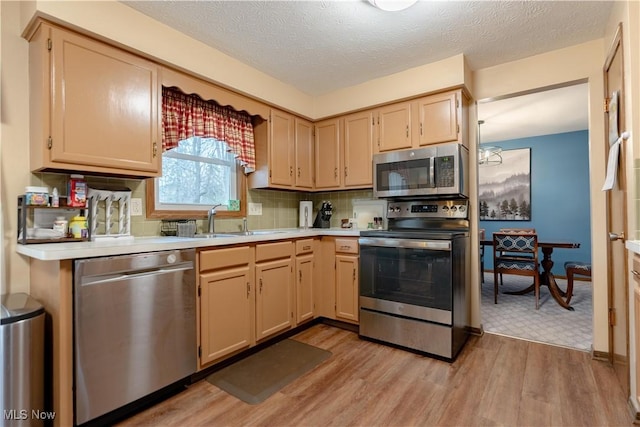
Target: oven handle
[[436, 245]]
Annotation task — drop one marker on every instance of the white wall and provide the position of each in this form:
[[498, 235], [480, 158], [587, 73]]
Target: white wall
[[14, 137]]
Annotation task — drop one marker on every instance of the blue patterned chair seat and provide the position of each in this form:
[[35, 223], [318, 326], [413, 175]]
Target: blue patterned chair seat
[[575, 267], [516, 253]]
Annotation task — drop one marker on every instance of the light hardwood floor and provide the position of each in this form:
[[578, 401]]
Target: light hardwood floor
[[495, 381]]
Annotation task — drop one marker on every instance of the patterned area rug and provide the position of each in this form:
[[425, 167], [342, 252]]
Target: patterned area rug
[[516, 315]]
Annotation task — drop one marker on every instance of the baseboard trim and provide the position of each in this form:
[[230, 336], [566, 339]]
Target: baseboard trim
[[633, 410], [600, 355], [475, 331]]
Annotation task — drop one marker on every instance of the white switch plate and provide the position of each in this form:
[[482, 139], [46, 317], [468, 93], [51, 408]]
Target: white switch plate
[[255, 208], [136, 207]]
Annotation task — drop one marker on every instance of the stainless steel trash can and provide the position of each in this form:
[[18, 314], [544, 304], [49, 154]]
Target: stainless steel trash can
[[22, 355]]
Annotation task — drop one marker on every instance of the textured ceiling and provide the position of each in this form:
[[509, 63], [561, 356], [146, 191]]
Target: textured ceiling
[[321, 46]]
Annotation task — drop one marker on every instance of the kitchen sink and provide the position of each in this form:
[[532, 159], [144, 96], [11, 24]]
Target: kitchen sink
[[213, 235], [255, 232]]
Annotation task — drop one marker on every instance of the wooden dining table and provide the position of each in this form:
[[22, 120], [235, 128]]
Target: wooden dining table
[[546, 277]]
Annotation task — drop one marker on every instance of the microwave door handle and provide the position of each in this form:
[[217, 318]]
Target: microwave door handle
[[432, 161]]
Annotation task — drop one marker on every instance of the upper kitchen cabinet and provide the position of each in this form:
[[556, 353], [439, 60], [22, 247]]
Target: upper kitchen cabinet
[[442, 118], [284, 152], [303, 154], [358, 149], [327, 154], [393, 127], [94, 108]]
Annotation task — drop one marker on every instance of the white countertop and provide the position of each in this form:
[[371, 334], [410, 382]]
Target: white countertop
[[633, 245], [120, 246]]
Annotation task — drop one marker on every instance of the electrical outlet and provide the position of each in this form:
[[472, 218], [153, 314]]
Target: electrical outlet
[[255, 208], [136, 207]]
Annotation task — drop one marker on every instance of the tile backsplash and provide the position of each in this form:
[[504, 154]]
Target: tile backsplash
[[279, 208]]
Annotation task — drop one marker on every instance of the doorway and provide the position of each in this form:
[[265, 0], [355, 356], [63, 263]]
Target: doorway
[[552, 123]]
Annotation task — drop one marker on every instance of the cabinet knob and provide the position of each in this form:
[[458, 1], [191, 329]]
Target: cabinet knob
[[155, 149], [248, 289], [335, 173], [298, 172], [290, 170]]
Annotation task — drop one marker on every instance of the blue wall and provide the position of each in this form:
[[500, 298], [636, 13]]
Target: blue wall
[[560, 202]]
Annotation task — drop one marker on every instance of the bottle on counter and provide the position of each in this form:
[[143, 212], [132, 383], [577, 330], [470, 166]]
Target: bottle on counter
[[55, 198], [77, 191], [78, 227], [61, 225]]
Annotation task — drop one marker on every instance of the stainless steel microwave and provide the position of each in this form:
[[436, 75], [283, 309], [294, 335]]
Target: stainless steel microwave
[[434, 171]]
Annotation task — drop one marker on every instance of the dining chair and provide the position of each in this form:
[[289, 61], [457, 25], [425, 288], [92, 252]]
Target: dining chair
[[572, 268], [516, 231], [516, 254]]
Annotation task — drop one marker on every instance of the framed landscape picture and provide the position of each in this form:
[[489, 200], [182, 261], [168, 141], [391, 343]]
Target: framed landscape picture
[[504, 190]]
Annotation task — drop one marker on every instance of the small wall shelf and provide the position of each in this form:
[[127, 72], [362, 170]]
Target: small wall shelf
[[24, 211]]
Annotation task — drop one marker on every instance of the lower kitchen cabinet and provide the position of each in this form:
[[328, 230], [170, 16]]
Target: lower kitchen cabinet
[[274, 288], [347, 280], [227, 302], [305, 266]]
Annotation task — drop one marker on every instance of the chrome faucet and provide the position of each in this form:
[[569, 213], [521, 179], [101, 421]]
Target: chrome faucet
[[244, 225], [210, 217]]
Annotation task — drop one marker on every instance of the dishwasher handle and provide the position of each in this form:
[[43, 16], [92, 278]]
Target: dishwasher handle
[[97, 280]]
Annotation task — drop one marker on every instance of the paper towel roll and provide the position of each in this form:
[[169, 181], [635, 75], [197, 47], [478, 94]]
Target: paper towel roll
[[306, 214]]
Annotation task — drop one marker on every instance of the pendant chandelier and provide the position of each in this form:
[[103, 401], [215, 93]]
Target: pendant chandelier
[[392, 5], [488, 154]]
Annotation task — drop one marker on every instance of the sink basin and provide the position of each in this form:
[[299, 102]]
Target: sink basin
[[213, 236], [254, 233]]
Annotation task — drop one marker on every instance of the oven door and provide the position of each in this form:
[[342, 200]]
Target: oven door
[[407, 277]]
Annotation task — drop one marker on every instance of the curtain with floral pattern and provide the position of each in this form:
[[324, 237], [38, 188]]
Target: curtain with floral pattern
[[185, 116]]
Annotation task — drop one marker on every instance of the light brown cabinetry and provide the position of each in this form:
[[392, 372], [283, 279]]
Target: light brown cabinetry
[[439, 118], [343, 152], [94, 108], [636, 304], [305, 303], [347, 278], [274, 288], [281, 148], [358, 149], [226, 294], [393, 127], [327, 154], [284, 152]]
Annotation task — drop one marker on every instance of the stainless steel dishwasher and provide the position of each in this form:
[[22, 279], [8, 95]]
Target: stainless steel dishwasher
[[134, 328]]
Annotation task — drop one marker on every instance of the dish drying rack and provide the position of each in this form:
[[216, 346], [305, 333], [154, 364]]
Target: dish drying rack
[[104, 201], [169, 227]]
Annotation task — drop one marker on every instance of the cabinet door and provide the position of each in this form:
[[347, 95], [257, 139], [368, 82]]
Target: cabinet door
[[327, 154], [347, 287], [394, 127], [303, 153], [438, 118], [358, 149], [104, 106], [304, 288], [281, 148], [274, 310], [225, 312]]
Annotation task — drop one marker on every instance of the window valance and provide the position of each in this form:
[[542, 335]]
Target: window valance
[[185, 116]]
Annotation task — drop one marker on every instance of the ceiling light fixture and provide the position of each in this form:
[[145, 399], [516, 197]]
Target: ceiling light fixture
[[488, 155], [392, 5]]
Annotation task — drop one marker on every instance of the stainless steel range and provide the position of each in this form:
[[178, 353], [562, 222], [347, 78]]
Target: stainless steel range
[[413, 277]]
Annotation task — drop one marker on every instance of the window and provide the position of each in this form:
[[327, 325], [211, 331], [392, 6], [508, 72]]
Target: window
[[197, 175]]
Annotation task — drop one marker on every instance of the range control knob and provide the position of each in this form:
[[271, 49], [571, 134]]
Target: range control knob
[[462, 208], [445, 208]]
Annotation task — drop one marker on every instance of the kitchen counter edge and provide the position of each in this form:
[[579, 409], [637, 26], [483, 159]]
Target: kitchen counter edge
[[633, 246], [122, 246]]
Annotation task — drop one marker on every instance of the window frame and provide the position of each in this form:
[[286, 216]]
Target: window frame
[[156, 213]]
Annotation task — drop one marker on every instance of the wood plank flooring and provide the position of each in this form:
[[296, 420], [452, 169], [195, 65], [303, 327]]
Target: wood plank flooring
[[495, 381]]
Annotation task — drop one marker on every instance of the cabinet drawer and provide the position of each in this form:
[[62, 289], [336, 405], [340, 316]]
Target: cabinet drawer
[[347, 246], [304, 246], [222, 258], [276, 250]]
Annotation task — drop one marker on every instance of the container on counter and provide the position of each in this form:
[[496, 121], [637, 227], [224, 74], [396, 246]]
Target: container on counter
[[36, 196], [78, 227], [61, 225], [77, 191]]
